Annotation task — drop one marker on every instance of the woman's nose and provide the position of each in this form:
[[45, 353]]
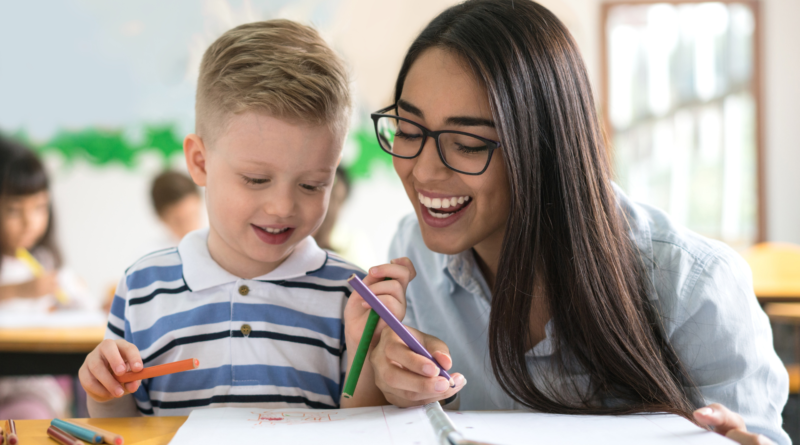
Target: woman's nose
[[429, 166]]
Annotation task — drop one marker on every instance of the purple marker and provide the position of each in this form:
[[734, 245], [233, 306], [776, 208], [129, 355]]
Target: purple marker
[[395, 324]]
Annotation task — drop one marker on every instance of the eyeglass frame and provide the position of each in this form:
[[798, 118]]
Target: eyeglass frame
[[426, 133]]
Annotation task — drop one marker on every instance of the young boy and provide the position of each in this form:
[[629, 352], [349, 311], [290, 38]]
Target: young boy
[[252, 297]]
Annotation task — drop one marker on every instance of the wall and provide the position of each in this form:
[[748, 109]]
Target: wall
[[781, 85]]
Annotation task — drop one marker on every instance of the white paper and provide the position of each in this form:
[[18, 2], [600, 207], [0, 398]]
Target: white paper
[[522, 427], [355, 426], [392, 425]]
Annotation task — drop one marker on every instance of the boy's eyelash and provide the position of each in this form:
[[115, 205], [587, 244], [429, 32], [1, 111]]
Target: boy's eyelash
[[312, 188], [255, 181]]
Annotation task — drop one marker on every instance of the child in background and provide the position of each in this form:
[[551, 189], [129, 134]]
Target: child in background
[[252, 297], [177, 203], [26, 222], [339, 194]]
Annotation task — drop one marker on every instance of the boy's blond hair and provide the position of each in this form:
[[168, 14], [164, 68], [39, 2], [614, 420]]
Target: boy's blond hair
[[278, 67]]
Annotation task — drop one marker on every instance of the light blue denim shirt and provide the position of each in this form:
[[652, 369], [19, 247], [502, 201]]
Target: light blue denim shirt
[[702, 288]]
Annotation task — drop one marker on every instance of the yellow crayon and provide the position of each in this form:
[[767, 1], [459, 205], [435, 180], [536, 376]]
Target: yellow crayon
[[38, 270]]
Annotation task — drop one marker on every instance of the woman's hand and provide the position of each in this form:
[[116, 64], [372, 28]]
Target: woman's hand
[[729, 424], [38, 287], [407, 378], [117, 356]]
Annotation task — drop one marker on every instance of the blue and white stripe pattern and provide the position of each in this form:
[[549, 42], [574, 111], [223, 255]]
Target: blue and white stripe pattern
[[178, 303]]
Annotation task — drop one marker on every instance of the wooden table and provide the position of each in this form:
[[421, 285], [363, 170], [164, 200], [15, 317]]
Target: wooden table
[[776, 272], [37, 351], [135, 430]]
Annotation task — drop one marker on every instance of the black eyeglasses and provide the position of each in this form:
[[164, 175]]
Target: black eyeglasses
[[463, 152]]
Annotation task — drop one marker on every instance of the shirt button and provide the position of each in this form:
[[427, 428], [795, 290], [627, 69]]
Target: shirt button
[[244, 290], [246, 329]]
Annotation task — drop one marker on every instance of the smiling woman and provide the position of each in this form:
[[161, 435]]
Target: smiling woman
[[538, 277]]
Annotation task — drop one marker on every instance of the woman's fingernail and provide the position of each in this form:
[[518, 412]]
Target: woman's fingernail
[[441, 385], [460, 381], [137, 365], [705, 411], [118, 392], [120, 369], [429, 369]]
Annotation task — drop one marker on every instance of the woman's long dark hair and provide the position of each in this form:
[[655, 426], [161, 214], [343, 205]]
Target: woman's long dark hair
[[565, 233], [22, 174]]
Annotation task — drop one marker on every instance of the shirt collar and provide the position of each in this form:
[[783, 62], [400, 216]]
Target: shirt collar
[[200, 271], [462, 269]]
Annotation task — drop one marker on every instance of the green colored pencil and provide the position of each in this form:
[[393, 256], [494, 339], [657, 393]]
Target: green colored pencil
[[361, 354]]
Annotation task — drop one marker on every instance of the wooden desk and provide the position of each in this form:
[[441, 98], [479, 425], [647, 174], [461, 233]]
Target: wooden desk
[[37, 351], [776, 272], [135, 430]]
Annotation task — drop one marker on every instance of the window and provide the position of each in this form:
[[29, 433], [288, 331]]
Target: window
[[681, 107]]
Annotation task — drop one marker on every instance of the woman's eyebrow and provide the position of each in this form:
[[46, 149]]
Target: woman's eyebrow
[[468, 121], [461, 121], [405, 106]]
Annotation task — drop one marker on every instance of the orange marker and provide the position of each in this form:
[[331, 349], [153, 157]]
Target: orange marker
[[156, 371], [2, 436]]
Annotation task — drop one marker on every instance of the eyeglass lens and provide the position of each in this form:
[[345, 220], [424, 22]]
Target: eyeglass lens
[[460, 152]]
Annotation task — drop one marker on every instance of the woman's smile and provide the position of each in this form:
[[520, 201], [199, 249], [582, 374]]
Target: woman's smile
[[441, 210]]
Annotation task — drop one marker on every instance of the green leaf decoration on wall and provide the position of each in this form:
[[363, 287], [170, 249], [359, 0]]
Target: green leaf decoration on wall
[[106, 146]]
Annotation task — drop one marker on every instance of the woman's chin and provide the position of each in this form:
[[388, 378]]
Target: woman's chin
[[444, 244]]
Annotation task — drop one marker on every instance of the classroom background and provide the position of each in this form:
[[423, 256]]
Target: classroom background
[[700, 100]]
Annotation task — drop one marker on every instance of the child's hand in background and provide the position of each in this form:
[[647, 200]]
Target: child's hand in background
[[96, 373], [391, 292], [37, 287]]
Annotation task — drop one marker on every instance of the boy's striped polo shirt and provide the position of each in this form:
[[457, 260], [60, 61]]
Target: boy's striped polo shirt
[[273, 341]]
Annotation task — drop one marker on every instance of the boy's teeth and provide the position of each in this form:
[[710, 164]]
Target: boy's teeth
[[269, 230]]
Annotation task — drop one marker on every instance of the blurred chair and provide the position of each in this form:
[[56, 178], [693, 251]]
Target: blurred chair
[[776, 282]]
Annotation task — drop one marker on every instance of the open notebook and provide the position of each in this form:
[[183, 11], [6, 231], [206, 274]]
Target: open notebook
[[429, 425]]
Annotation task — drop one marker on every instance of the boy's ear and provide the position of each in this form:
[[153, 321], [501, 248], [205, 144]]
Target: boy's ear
[[195, 152]]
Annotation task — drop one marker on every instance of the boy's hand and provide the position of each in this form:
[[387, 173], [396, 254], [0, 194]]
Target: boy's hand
[[391, 292], [96, 373], [37, 287]]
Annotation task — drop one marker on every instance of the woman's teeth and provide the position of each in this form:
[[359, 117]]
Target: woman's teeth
[[269, 230], [442, 203]]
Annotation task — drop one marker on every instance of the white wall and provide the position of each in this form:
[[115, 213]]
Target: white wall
[[781, 126], [105, 220]]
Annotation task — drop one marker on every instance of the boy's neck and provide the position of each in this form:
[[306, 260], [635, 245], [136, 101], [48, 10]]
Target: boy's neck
[[234, 262]]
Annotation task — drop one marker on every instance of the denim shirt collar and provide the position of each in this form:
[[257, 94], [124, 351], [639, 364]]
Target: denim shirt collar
[[462, 270]]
